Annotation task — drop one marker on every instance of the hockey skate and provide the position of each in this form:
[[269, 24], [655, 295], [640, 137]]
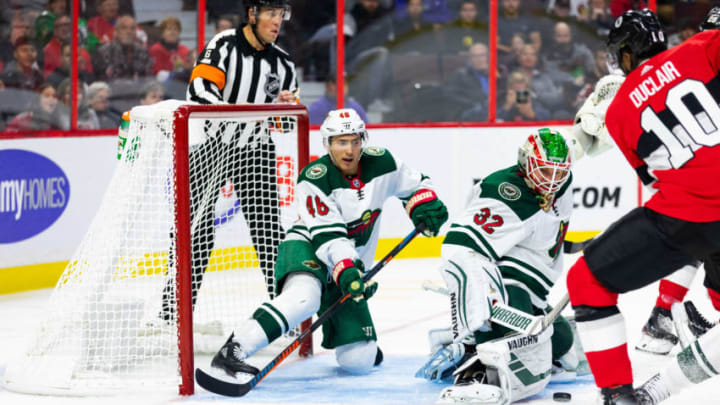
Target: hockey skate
[[622, 395], [657, 335], [230, 360], [689, 322], [652, 392], [475, 384]]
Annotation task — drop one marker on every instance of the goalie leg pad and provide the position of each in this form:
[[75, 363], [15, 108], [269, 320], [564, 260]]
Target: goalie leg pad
[[517, 367], [474, 284]]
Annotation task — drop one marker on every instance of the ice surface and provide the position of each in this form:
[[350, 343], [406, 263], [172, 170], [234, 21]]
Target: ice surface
[[403, 313]]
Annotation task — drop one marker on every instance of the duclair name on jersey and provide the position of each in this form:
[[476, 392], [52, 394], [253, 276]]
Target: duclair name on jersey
[[665, 74]]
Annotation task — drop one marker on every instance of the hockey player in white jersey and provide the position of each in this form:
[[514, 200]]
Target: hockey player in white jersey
[[339, 200], [506, 247]]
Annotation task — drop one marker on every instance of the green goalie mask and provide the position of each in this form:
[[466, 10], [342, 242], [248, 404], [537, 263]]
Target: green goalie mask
[[544, 158]]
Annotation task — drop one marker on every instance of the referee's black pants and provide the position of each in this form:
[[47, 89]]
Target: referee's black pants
[[253, 172]]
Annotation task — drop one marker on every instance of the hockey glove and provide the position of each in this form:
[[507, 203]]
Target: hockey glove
[[425, 207], [348, 276]]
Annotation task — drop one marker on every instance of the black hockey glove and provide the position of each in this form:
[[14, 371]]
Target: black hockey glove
[[348, 276], [425, 207]]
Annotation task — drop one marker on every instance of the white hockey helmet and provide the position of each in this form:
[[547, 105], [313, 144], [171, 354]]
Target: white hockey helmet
[[344, 121], [545, 160]]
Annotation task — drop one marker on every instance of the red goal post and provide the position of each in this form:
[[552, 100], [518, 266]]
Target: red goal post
[[184, 302]]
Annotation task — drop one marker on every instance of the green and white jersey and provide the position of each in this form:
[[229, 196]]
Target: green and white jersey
[[503, 221], [340, 214]]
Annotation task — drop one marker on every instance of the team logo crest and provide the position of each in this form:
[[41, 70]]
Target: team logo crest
[[272, 85], [509, 191], [316, 171], [311, 264], [375, 151]]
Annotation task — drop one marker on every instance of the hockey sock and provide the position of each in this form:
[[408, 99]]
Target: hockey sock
[[600, 326], [670, 293], [696, 363], [300, 299]]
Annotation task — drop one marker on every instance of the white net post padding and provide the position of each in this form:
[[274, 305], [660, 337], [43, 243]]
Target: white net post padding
[[111, 323]]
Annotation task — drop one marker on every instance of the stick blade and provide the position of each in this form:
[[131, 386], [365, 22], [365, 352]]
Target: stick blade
[[221, 387]]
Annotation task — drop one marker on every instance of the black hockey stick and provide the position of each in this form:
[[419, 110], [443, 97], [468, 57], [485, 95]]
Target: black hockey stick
[[574, 247], [230, 389]]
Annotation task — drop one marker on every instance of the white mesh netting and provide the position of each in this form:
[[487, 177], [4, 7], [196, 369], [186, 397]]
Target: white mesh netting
[[110, 323]]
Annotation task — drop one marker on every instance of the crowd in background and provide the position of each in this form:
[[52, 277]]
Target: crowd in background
[[406, 60]]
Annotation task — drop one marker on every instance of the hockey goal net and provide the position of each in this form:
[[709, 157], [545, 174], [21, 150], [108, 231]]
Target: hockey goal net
[[180, 252]]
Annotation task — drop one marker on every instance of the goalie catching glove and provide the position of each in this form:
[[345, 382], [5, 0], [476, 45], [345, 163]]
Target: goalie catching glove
[[589, 134], [348, 276], [424, 207]]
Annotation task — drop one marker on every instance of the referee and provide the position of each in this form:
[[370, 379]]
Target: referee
[[239, 66]]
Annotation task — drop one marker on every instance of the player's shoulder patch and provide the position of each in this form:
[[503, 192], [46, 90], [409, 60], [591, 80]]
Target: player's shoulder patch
[[376, 161], [509, 191], [316, 171], [375, 150], [508, 187]]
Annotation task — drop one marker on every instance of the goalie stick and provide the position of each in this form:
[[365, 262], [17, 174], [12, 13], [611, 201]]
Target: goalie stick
[[231, 389], [516, 319]]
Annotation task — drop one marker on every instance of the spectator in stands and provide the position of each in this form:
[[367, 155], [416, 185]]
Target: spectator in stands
[[600, 69], [89, 8], [508, 61], [98, 95], [169, 54], [467, 90], [687, 28], [520, 104], [45, 22], [41, 115], [412, 32], [62, 72], [617, 7], [86, 117], [549, 89], [320, 108], [226, 22], [466, 30], [103, 24], [23, 73], [123, 58], [19, 27], [566, 55], [598, 17], [367, 58], [510, 21], [62, 35], [368, 13], [152, 93]]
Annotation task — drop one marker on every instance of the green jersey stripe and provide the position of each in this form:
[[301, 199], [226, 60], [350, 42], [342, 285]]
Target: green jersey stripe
[[333, 225], [526, 280], [537, 273], [462, 239], [704, 358], [476, 235]]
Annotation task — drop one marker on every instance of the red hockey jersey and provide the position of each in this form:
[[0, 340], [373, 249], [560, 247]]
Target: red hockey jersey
[[666, 121]]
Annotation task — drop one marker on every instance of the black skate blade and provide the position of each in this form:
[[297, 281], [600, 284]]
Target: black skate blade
[[223, 387]]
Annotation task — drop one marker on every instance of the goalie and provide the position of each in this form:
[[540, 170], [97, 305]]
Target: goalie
[[507, 247]]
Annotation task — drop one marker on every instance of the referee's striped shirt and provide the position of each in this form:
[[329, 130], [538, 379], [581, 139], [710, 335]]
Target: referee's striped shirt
[[230, 71]]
